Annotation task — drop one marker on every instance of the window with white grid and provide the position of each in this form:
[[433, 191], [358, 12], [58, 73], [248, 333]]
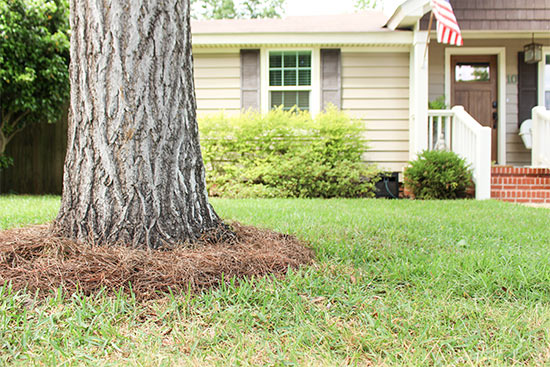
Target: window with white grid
[[290, 79]]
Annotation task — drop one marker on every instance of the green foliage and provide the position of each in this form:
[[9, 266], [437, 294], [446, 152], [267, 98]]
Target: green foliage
[[368, 4], [226, 9], [438, 174], [437, 104], [34, 54], [481, 74], [285, 154], [5, 161]]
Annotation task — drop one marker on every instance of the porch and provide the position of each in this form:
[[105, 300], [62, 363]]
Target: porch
[[458, 131]]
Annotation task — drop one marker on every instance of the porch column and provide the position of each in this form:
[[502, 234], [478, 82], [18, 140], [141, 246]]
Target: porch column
[[418, 95]]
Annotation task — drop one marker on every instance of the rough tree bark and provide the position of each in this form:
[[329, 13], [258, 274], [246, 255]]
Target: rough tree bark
[[133, 171]]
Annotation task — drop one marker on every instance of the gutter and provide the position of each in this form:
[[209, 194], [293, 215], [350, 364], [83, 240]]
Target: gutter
[[382, 38]]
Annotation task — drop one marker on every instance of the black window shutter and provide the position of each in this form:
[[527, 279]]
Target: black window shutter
[[527, 88], [250, 79], [331, 78]]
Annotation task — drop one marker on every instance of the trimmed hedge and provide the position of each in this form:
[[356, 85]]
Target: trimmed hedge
[[285, 154]]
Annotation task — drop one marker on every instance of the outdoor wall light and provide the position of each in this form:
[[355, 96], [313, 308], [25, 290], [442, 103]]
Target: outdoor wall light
[[532, 52]]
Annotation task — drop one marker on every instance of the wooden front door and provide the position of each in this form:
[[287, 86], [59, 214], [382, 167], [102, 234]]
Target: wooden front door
[[474, 86]]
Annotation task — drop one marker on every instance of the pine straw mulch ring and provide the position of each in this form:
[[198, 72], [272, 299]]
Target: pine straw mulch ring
[[32, 258]]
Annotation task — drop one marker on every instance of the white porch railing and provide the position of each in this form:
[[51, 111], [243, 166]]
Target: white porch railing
[[459, 132], [439, 127], [540, 151]]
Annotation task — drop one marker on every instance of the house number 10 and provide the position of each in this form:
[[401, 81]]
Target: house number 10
[[512, 78]]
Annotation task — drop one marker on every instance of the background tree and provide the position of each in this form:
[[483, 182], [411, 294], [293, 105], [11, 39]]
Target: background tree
[[262, 9], [368, 4], [133, 171], [34, 60], [247, 9]]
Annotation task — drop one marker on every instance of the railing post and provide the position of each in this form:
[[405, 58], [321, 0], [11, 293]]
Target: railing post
[[483, 165], [473, 142], [457, 131], [430, 132], [536, 135], [540, 153], [535, 148], [448, 121]]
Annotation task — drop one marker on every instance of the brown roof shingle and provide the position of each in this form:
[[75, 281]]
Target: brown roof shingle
[[501, 15]]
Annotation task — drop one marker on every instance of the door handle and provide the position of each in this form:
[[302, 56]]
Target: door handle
[[495, 118]]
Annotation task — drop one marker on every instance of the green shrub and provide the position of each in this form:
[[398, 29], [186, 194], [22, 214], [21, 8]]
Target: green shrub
[[438, 104], [285, 154], [438, 175]]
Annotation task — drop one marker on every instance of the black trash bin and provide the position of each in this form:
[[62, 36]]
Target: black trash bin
[[388, 186]]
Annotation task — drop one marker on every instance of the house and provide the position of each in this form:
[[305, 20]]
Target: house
[[352, 61], [378, 68]]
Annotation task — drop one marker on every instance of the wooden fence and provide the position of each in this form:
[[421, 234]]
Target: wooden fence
[[39, 154]]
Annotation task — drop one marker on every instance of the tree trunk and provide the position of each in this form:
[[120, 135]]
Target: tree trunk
[[133, 171]]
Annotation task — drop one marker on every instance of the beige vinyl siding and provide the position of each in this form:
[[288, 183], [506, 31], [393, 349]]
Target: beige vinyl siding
[[516, 154], [217, 82], [375, 88]]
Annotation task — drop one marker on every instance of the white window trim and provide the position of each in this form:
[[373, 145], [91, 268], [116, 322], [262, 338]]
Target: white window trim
[[540, 87], [315, 88], [501, 98]]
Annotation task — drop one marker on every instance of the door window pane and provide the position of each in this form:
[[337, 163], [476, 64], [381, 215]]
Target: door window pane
[[472, 72]]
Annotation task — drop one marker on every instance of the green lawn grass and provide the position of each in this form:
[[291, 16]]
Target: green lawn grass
[[19, 211], [395, 283]]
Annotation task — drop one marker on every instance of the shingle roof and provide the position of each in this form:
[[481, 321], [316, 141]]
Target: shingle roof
[[501, 15], [366, 21]]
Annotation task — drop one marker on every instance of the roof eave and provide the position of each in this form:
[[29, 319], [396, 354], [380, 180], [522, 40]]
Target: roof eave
[[382, 38], [407, 15]]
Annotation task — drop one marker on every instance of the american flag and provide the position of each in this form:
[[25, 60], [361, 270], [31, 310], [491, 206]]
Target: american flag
[[447, 27]]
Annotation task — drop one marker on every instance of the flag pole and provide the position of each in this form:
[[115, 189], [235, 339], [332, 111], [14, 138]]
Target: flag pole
[[428, 38]]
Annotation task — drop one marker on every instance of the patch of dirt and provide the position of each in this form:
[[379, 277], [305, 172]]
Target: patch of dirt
[[34, 259]]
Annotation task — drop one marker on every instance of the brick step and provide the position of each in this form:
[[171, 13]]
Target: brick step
[[519, 187], [519, 171], [520, 184], [521, 196], [520, 179], [536, 183]]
